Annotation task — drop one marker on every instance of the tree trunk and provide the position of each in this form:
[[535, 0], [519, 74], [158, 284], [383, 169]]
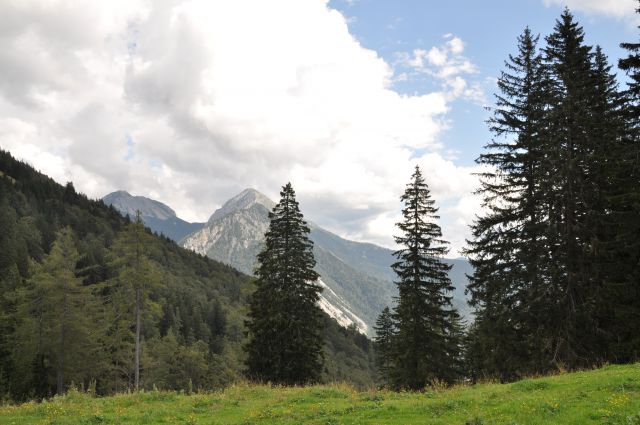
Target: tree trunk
[[60, 368], [138, 325]]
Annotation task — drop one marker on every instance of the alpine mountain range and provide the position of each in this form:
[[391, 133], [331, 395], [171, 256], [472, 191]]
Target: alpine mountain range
[[356, 276]]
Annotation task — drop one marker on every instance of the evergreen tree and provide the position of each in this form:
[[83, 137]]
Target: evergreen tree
[[385, 331], [623, 294], [135, 278], [508, 250], [423, 315], [586, 133], [548, 255], [285, 322]]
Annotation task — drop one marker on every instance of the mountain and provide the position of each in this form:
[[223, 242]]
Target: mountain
[[157, 216], [357, 276]]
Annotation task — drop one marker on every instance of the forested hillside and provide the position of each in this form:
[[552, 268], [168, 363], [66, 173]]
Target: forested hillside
[[67, 302]]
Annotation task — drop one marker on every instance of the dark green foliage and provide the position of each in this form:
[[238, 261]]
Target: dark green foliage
[[349, 355], [385, 331], [509, 249], [575, 201], [423, 316], [558, 246], [624, 295], [285, 327]]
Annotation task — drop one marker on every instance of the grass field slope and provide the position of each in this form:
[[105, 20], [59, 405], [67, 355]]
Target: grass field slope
[[610, 395]]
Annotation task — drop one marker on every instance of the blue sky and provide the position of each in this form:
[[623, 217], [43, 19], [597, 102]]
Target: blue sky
[[488, 28]]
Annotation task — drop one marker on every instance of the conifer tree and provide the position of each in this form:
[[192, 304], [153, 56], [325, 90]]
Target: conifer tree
[[508, 250], [548, 256], [545, 254], [585, 133], [385, 332], [423, 315], [135, 278], [285, 321], [624, 292]]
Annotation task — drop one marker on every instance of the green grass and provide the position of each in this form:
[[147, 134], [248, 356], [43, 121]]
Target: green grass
[[610, 395]]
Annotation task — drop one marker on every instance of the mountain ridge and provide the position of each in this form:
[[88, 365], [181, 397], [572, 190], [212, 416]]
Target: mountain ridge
[[125, 202], [156, 215]]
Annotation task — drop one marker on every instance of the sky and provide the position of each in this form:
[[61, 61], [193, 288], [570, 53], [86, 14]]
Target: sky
[[190, 102]]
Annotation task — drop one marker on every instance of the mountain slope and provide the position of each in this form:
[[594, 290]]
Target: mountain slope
[[193, 331], [157, 216], [357, 276]]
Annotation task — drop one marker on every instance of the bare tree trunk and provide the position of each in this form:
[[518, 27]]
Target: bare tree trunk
[[60, 368], [138, 325], [138, 288]]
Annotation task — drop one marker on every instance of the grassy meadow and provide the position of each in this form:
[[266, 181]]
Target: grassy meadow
[[610, 395]]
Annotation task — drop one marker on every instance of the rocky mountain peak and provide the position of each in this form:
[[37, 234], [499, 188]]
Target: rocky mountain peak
[[242, 201]]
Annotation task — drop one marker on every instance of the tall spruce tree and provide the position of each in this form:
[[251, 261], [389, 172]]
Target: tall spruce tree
[[625, 206], [508, 249], [423, 315], [585, 132], [385, 332], [285, 322], [607, 219]]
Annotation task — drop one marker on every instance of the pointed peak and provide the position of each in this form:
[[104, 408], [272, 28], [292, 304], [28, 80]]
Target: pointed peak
[[242, 201], [249, 192], [251, 195], [119, 193]]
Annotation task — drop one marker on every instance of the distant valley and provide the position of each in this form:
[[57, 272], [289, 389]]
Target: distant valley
[[357, 276]]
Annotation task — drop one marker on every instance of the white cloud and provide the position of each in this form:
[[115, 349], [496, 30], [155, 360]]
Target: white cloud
[[189, 102], [449, 65], [456, 45], [436, 56], [620, 9]]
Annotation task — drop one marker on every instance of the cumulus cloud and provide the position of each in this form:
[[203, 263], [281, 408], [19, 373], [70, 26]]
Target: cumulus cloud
[[620, 9], [190, 102], [448, 64]]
